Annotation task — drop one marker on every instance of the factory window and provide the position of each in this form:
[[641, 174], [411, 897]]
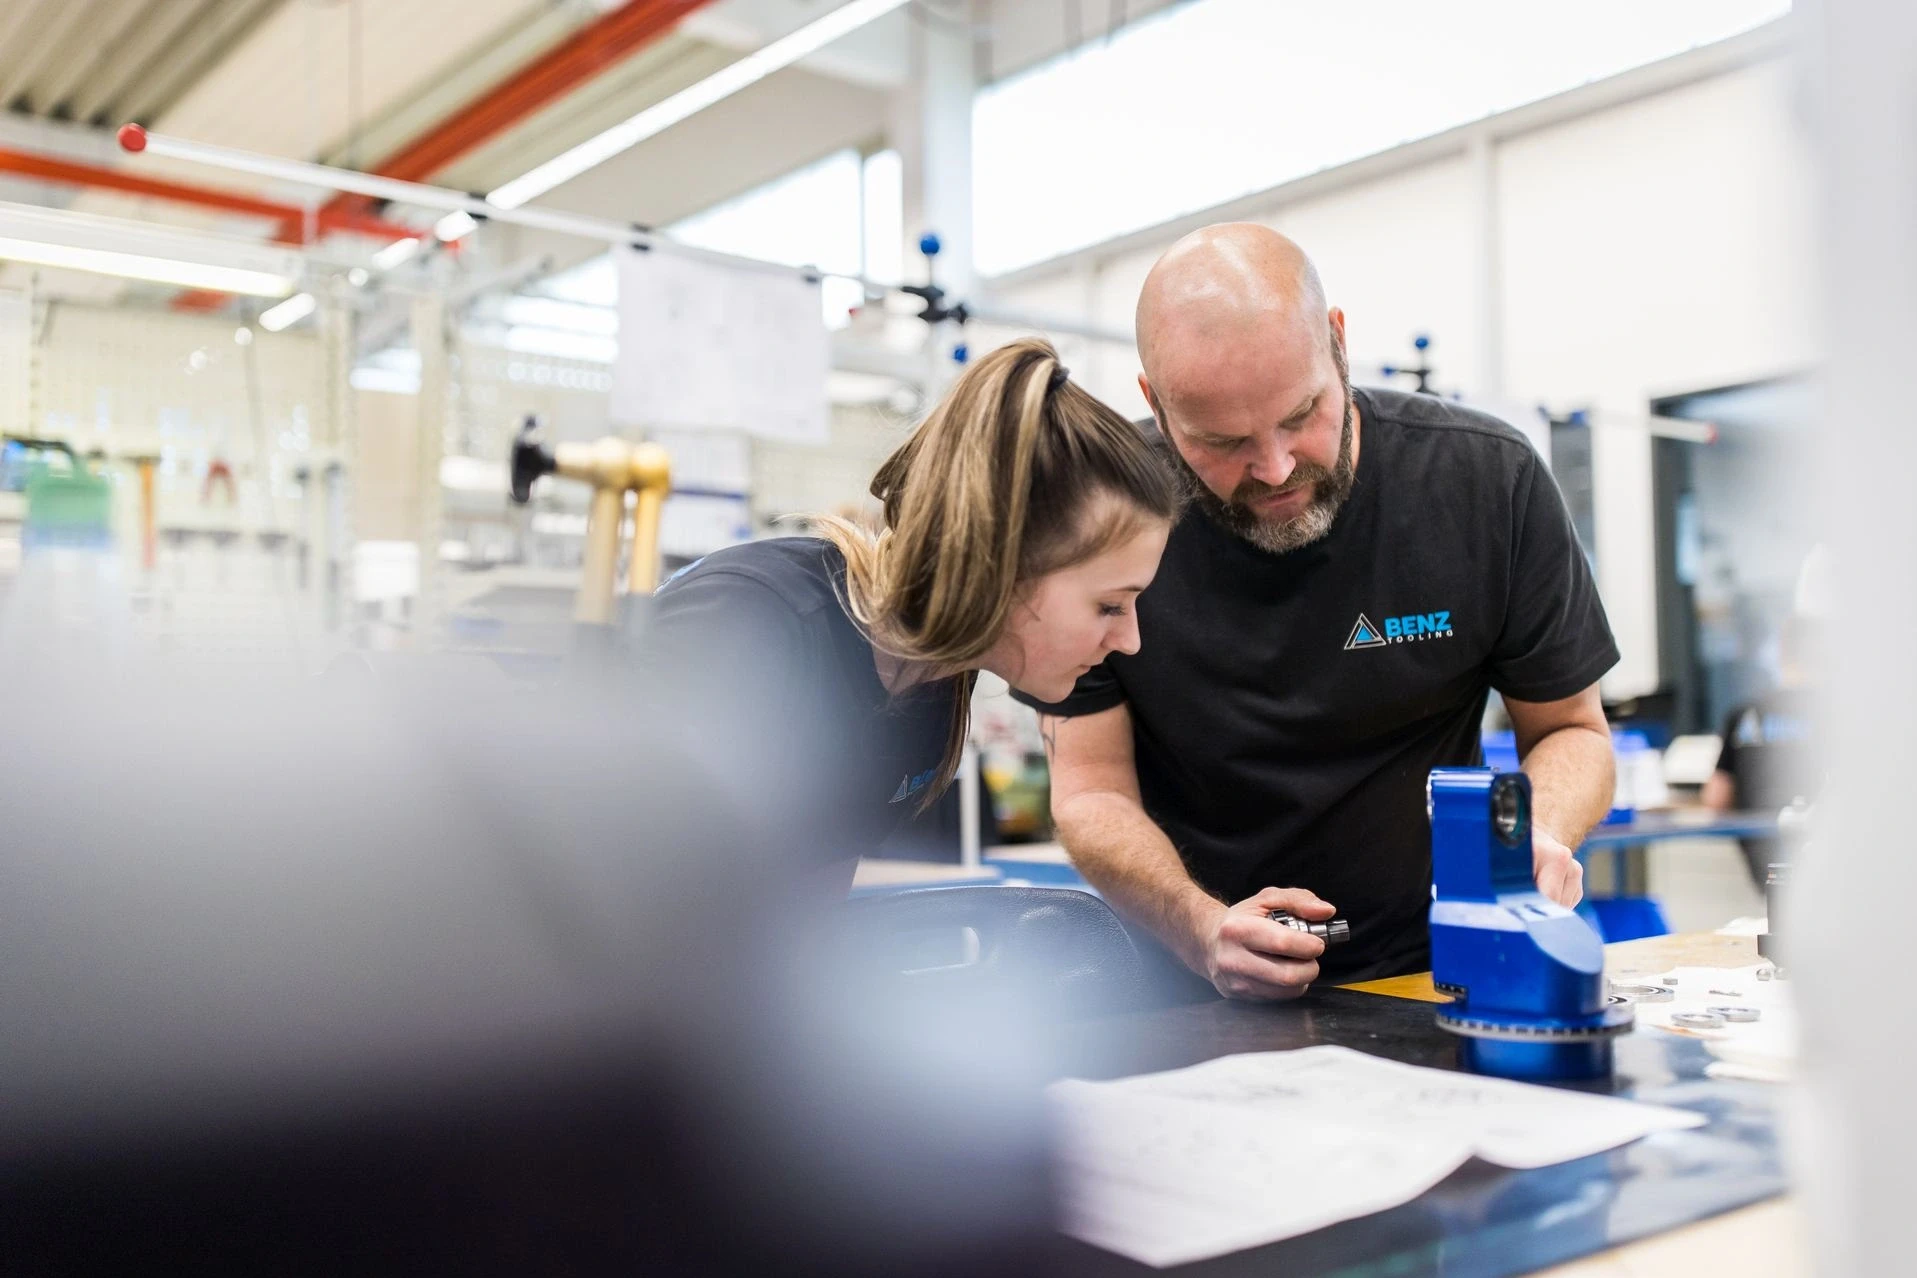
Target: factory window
[[1218, 99], [594, 282], [809, 217]]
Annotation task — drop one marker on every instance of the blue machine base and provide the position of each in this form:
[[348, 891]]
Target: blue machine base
[[1539, 1062], [1515, 1045]]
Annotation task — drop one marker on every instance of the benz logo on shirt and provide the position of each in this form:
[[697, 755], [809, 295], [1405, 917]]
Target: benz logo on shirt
[[909, 786], [1415, 627]]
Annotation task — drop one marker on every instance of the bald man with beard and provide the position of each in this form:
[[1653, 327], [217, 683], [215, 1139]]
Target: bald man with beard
[[1358, 570]]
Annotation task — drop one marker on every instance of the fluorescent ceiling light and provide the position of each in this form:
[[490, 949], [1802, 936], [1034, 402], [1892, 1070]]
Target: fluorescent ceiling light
[[134, 266], [454, 225], [721, 84], [144, 251], [394, 254], [288, 313]]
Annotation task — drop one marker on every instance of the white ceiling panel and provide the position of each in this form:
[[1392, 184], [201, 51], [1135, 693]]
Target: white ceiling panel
[[314, 73]]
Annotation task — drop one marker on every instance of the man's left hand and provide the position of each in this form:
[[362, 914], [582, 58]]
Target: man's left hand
[[1558, 873]]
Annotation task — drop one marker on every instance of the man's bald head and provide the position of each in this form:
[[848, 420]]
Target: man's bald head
[[1233, 284], [1245, 371]]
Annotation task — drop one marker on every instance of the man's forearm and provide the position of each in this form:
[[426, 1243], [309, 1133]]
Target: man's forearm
[[1573, 778], [1122, 852]]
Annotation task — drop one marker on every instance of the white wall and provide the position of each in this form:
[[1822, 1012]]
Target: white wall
[[1394, 253], [1651, 246], [1658, 247]]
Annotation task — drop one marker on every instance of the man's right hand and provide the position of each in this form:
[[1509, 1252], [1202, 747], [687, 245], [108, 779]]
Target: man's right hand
[[1247, 956]]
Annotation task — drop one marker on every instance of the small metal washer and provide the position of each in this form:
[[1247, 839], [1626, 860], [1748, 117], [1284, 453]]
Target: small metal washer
[[1734, 1013], [1642, 993], [1697, 1020]]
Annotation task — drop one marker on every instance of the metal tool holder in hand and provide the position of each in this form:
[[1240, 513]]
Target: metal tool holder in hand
[[613, 467], [1331, 931], [1526, 975]]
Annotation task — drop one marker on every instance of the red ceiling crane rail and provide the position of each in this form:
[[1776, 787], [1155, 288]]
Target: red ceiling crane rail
[[601, 43], [73, 173]]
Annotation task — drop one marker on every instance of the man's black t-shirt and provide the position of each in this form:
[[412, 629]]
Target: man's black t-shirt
[[1287, 709], [753, 664]]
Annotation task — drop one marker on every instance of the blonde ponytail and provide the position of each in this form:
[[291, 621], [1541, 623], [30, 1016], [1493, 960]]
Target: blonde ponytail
[[991, 491]]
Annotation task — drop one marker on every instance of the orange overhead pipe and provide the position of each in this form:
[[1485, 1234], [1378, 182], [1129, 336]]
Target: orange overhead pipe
[[73, 173], [600, 44]]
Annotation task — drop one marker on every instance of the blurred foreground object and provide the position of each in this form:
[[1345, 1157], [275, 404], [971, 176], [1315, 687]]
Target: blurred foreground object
[[1065, 949], [370, 974], [1848, 905]]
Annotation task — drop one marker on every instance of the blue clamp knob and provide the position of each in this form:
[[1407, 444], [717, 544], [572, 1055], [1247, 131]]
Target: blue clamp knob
[[1421, 342], [929, 244], [961, 353]]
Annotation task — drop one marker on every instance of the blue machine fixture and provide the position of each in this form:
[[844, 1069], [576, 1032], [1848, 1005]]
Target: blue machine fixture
[[1525, 974]]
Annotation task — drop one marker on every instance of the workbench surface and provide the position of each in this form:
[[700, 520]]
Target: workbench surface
[[1699, 1201]]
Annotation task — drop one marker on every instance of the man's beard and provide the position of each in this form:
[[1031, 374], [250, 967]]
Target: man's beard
[[1239, 516]]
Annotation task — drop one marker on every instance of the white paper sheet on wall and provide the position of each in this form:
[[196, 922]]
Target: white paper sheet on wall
[[706, 346], [1245, 1150]]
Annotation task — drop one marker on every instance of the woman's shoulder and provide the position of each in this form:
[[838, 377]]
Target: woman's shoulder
[[806, 573]]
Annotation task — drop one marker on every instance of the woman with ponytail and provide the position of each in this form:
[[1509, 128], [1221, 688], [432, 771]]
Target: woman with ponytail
[[830, 676]]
